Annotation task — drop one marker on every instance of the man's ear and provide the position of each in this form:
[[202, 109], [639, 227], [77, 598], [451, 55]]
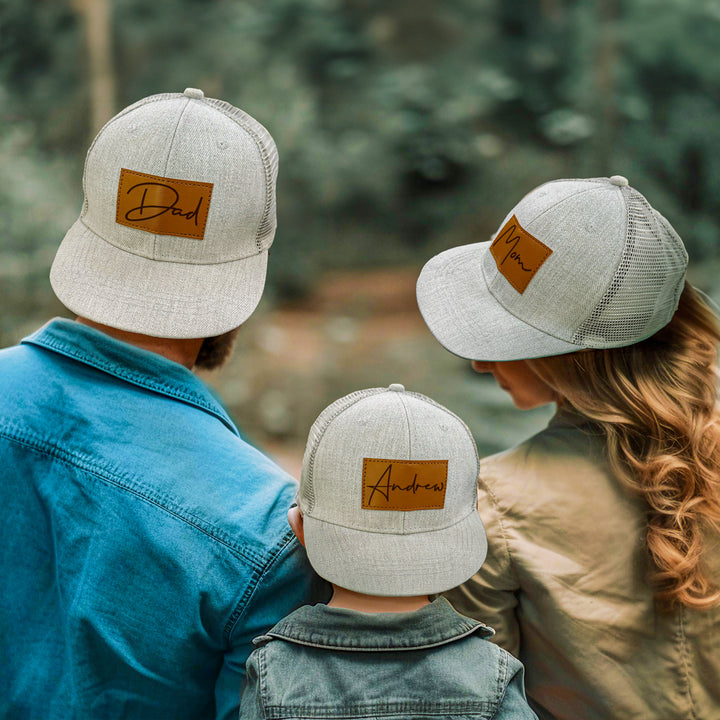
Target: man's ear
[[295, 519]]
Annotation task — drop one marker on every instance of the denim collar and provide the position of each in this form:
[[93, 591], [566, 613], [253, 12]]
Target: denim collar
[[127, 362], [339, 629]]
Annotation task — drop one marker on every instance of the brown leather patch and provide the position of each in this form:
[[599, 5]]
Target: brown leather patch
[[518, 255], [404, 484], [164, 206]]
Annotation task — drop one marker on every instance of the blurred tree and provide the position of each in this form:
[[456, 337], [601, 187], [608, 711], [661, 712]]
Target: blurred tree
[[625, 86], [41, 79], [96, 16], [402, 127], [671, 103]]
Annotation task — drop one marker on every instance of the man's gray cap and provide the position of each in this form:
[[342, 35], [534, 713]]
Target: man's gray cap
[[179, 213], [389, 495]]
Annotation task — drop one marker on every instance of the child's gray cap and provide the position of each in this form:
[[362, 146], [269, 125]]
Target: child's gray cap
[[389, 495]]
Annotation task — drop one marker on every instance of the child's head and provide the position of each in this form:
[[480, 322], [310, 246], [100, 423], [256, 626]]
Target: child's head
[[388, 495]]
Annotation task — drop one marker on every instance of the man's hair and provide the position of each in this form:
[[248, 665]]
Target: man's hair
[[216, 351]]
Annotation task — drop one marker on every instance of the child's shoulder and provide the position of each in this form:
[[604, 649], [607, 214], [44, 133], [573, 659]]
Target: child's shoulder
[[383, 663]]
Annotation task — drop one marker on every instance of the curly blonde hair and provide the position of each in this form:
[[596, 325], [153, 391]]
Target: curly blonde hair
[[656, 403]]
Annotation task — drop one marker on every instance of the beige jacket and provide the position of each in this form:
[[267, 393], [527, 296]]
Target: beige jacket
[[563, 586]]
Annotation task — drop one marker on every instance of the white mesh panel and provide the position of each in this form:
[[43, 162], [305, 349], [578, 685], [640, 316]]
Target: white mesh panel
[[268, 153], [638, 298], [307, 493]]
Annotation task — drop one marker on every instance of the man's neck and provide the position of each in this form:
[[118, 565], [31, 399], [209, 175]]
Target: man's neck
[[343, 598], [183, 351]]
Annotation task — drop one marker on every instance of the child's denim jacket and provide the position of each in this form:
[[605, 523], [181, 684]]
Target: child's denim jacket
[[323, 662]]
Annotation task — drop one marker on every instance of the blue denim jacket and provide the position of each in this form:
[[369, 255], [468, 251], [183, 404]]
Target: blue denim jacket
[[143, 543], [323, 662]]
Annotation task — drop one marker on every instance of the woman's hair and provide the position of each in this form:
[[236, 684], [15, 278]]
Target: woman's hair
[[655, 402]]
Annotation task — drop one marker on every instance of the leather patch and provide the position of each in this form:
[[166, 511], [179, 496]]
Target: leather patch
[[518, 255], [163, 206], [404, 484]]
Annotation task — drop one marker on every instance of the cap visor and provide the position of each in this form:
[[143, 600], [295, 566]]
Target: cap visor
[[467, 320], [99, 281], [386, 564]]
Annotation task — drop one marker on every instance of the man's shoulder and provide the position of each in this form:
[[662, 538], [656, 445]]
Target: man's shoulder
[[215, 483], [14, 356], [158, 455]]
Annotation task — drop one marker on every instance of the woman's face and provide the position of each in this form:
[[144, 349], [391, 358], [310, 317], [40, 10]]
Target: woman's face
[[517, 378]]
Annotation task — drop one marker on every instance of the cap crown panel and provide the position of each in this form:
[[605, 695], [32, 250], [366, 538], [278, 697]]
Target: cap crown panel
[[141, 141], [223, 154], [592, 220], [366, 429], [185, 139]]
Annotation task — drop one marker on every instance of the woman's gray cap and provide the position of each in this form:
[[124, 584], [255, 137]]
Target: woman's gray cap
[[178, 217], [389, 495], [575, 264]]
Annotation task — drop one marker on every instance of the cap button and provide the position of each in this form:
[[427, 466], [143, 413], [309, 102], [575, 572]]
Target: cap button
[[194, 93], [619, 180], [397, 387]]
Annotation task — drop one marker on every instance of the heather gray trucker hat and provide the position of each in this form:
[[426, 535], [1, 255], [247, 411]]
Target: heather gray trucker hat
[[179, 214], [389, 495], [575, 264]]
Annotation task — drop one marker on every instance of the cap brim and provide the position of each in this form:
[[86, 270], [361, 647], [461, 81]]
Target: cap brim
[[103, 283], [373, 563], [467, 320]]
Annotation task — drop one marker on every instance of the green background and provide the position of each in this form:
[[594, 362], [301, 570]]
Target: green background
[[403, 128]]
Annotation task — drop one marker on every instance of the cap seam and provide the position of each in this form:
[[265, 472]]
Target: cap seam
[[394, 532], [166, 260], [167, 162], [172, 139], [409, 445]]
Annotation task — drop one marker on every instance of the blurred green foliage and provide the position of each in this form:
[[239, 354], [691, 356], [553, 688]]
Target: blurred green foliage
[[403, 127]]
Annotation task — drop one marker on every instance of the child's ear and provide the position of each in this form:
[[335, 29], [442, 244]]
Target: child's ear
[[295, 519]]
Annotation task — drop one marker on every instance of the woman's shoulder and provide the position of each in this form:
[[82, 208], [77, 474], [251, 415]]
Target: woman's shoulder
[[568, 436], [562, 468]]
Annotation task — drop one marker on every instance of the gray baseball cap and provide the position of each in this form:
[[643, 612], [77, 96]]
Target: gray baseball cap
[[389, 495], [179, 213], [575, 264]]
